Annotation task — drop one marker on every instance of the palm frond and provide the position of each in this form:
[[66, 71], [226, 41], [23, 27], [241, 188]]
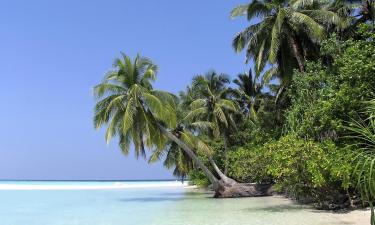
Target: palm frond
[[192, 115], [240, 10], [258, 9], [220, 115], [276, 36], [108, 89], [312, 27]]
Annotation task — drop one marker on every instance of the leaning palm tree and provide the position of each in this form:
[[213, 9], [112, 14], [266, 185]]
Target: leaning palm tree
[[176, 157], [364, 132], [213, 110], [136, 113], [187, 97], [289, 33]]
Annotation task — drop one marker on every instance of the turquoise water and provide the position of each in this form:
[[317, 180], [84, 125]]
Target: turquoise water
[[146, 206]]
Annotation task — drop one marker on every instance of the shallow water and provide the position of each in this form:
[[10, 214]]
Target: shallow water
[[150, 206]]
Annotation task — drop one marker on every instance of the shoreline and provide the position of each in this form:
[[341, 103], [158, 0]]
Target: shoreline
[[114, 186]]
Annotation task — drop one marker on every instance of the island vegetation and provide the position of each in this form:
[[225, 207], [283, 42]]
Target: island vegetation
[[301, 122]]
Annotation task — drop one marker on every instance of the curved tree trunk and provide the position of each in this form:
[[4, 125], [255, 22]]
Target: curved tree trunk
[[226, 187], [214, 181], [222, 176]]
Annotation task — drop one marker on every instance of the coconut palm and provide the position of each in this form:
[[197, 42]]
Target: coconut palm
[[289, 33], [136, 113], [213, 110], [248, 91]]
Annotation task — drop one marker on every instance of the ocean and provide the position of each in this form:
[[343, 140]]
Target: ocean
[[145, 203]]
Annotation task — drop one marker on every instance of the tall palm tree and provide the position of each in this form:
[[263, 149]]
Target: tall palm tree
[[137, 113], [213, 110], [287, 35]]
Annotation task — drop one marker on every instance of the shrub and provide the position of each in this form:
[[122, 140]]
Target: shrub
[[248, 165], [196, 177], [307, 168], [324, 98]]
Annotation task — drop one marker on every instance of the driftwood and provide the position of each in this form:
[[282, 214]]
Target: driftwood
[[243, 190]]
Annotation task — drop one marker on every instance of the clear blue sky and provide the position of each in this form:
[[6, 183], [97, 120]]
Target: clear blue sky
[[53, 52]]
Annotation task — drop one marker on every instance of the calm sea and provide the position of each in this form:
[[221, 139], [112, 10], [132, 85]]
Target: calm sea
[[142, 203]]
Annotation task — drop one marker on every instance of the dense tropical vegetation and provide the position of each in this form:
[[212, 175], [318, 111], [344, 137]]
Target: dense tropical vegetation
[[303, 122]]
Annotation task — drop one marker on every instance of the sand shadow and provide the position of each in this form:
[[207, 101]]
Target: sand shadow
[[152, 199], [278, 208], [168, 197]]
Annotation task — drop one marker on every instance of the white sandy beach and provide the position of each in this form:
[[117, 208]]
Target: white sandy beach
[[356, 217]]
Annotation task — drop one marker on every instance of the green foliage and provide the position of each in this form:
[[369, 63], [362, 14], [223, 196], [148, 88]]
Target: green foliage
[[305, 167], [248, 94], [211, 109], [296, 166], [287, 34], [198, 178], [325, 97], [243, 155], [248, 165], [250, 134], [364, 133]]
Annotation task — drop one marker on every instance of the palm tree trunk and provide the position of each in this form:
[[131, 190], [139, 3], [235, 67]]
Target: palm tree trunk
[[214, 181], [297, 52], [226, 154], [222, 176], [222, 189]]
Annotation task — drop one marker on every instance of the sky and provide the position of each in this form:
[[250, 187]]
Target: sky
[[53, 52]]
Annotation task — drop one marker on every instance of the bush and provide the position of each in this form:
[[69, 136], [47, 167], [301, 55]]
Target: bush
[[248, 165], [307, 168], [324, 98], [196, 177], [319, 171]]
